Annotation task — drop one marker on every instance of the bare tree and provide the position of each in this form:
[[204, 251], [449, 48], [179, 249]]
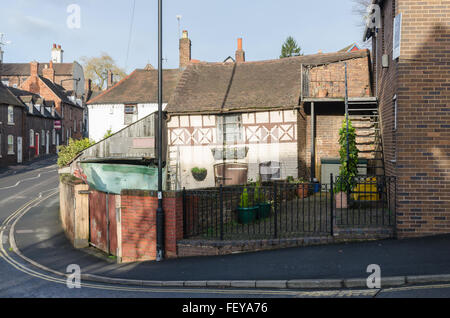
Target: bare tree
[[96, 68], [360, 10]]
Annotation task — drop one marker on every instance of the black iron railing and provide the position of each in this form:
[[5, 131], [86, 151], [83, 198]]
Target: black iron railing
[[286, 210]]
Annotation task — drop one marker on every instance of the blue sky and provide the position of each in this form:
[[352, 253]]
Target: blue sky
[[33, 26]]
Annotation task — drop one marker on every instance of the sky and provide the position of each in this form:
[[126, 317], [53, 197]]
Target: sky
[[32, 26]]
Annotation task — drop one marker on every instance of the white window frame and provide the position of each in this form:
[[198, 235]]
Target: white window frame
[[54, 136], [32, 138], [43, 137], [230, 122], [11, 144], [10, 115], [127, 114]]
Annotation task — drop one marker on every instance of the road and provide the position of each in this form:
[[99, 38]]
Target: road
[[19, 278]]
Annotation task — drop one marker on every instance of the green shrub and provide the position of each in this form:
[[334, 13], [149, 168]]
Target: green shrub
[[67, 153], [244, 199], [347, 170]]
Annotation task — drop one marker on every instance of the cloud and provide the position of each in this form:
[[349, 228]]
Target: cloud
[[32, 25]]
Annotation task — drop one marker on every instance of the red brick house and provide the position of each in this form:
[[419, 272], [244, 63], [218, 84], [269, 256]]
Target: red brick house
[[71, 112], [12, 120], [411, 70]]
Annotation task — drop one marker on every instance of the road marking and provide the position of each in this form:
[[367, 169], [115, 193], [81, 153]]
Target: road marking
[[24, 231], [27, 179]]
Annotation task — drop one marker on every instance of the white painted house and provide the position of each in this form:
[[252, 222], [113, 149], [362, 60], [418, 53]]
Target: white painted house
[[128, 101]]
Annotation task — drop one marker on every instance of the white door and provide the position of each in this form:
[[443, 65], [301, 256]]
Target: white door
[[47, 143], [19, 149], [57, 143]]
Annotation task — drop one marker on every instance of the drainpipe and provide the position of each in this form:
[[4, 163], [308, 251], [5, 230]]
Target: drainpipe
[[313, 146], [159, 210]]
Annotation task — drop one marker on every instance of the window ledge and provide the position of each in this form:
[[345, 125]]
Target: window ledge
[[11, 124], [11, 153]]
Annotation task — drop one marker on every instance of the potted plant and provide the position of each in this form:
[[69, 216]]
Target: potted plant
[[263, 206], [199, 174], [246, 214], [302, 186], [348, 170]]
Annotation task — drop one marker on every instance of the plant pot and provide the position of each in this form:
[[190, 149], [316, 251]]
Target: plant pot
[[200, 176], [341, 200], [302, 190], [264, 210], [247, 215]]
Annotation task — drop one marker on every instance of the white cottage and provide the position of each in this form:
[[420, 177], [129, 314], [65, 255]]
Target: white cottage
[[131, 99]]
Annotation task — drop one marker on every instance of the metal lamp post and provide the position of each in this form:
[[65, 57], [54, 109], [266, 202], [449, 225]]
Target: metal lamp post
[[159, 210]]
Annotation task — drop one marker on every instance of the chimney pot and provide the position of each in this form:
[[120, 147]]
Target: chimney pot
[[240, 54]]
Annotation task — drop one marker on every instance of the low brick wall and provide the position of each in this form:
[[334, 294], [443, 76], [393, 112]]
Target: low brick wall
[[138, 224], [190, 248]]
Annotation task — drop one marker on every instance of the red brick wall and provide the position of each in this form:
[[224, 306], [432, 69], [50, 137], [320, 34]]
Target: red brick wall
[[332, 78], [418, 152], [138, 221]]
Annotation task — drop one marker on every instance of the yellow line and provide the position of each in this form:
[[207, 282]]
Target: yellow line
[[24, 209]]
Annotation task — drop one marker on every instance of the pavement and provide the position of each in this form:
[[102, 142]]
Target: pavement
[[39, 237]]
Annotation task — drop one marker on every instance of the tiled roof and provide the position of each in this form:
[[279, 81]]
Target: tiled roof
[[58, 90], [141, 86], [23, 69], [8, 98], [221, 87]]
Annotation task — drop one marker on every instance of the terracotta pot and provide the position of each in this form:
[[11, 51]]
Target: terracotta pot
[[341, 200], [302, 190]]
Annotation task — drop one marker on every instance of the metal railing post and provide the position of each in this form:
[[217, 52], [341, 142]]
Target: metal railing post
[[221, 211], [275, 209], [331, 205], [184, 213]]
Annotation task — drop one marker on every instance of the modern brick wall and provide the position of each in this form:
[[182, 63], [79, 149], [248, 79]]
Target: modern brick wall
[[418, 151], [138, 224]]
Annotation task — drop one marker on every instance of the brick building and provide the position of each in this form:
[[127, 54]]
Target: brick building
[[12, 120], [70, 76], [411, 70], [67, 106]]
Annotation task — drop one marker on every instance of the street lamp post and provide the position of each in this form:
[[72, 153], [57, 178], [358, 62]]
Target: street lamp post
[[159, 210]]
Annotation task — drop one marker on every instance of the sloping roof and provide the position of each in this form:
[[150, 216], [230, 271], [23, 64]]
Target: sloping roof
[[218, 87], [23, 69], [59, 91], [141, 86], [350, 47], [8, 98]]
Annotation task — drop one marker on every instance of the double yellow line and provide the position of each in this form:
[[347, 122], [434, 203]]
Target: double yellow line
[[15, 217]]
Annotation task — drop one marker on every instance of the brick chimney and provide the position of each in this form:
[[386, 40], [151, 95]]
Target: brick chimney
[[49, 72], [34, 67], [110, 79], [185, 50], [87, 85], [240, 54]]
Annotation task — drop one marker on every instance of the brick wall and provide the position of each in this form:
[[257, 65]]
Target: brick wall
[[418, 151], [138, 224], [329, 80]]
